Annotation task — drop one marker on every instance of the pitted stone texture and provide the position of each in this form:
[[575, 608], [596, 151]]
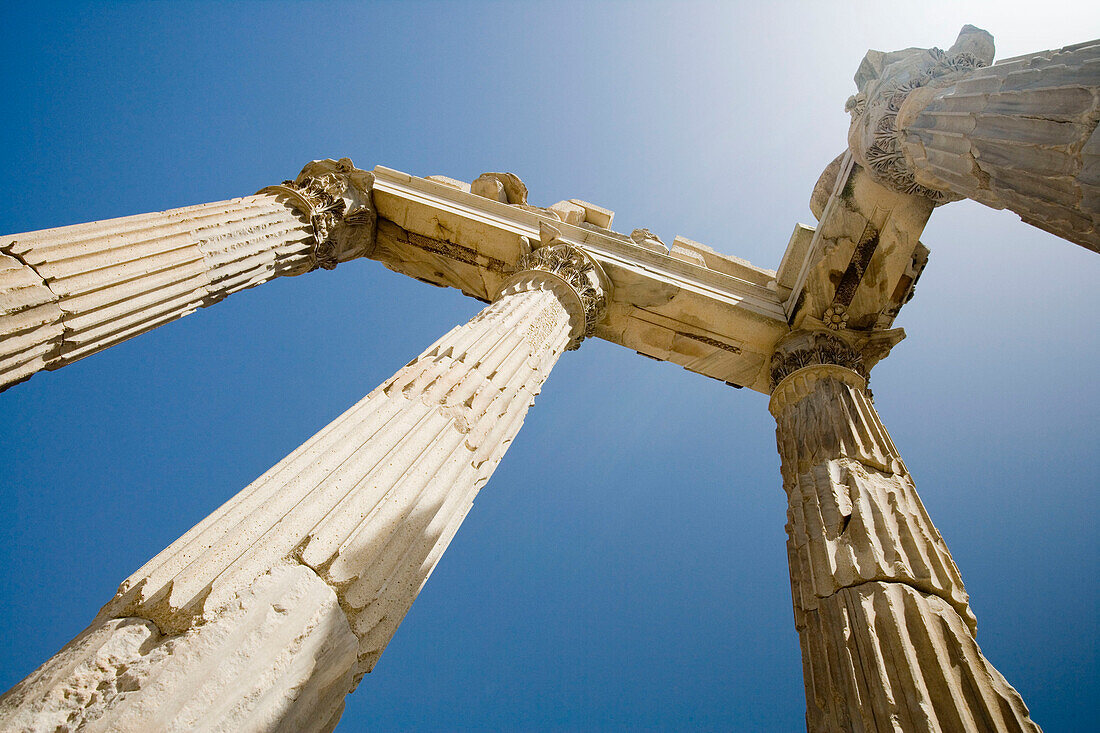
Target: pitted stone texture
[[277, 656], [585, 290], [886, 657], [885, 624], [115, 279], [1019, 135], [372, 501]]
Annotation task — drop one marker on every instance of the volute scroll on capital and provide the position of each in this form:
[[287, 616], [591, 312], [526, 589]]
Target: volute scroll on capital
[[574, 275], [336, 196]]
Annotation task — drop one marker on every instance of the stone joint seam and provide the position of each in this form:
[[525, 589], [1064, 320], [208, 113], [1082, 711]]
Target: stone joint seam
[[52, 359], [927, 591]]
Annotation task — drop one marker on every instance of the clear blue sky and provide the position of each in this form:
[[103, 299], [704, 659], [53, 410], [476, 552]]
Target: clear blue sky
[[625, 567]]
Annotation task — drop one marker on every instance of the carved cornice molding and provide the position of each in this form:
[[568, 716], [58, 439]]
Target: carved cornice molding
[[336, 196], [803, 349], [586, 290], [885, 83]]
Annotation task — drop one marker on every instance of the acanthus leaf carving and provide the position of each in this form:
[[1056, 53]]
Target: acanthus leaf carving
[[814, 348], [576, 269], [336, 196], [886, 81]]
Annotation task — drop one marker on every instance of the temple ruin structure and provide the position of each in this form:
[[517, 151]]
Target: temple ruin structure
[[270, 611]]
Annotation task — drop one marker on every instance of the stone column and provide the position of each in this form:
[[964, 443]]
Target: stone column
[[885, 624], [270, 610], [1018, 135], [69, 292]]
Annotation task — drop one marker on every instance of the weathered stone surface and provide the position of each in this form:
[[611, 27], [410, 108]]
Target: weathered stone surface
[[278, 655], [267, 613], [863, 260], [569, 212], [504, 187], [886, 657], [1015, 135], [884, 82], [452, 182], [595, 215], [490, 188], [719, 318], [649, 240], [687, 254], [823, 189], [31, 327], [885, 625], [115, 279]]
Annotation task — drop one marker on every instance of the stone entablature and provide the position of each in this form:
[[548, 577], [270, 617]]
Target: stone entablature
[[867, 241], [441, 233], [713, 314], [302, 578]]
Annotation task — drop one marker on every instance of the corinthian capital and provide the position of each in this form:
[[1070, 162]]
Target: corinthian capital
[[885, 82], [337, 198], [578, 279], [803, 349]]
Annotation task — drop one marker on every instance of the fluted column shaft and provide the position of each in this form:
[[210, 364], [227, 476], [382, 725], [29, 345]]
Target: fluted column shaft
[[69, 292], [884, 621], [268, 612], [1020, 134]]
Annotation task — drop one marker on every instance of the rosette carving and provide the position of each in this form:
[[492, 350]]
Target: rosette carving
[[337, 198]]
